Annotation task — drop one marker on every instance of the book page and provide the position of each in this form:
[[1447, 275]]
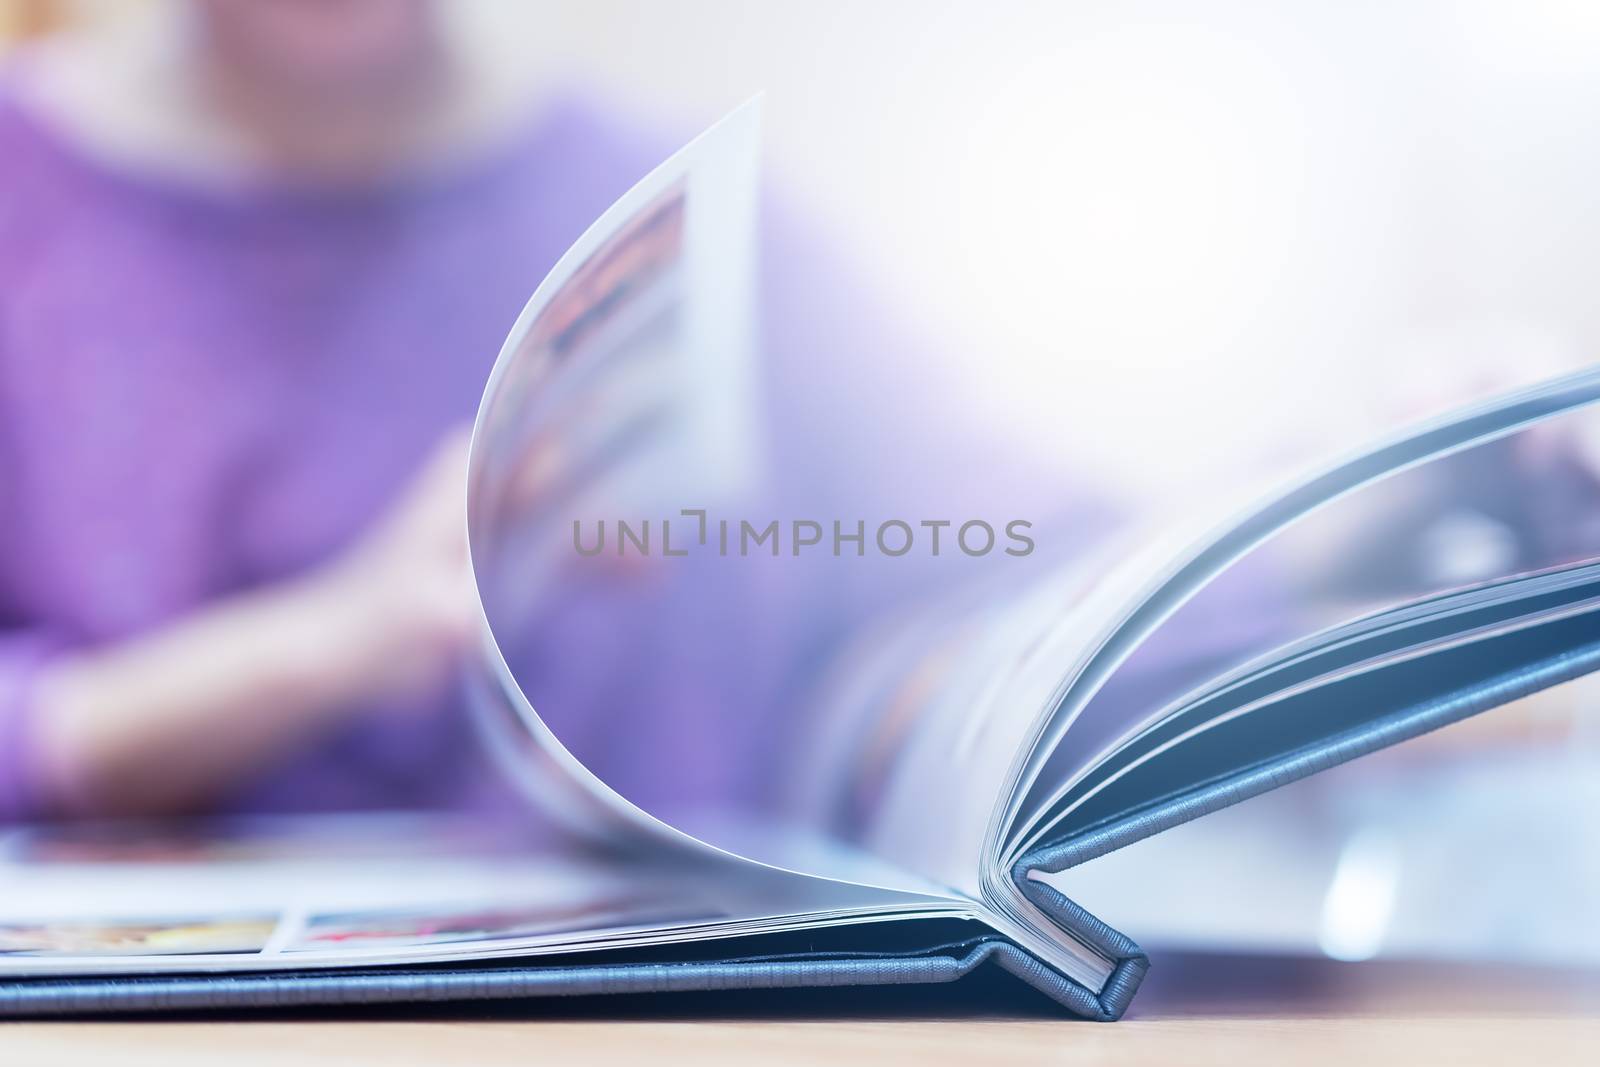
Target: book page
[[684, 581]]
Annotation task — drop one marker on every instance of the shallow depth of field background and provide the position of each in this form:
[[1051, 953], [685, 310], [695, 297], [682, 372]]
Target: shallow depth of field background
[[1167, 240]]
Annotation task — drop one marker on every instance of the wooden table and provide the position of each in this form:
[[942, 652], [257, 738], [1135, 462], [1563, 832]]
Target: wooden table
[[1195, 1010]]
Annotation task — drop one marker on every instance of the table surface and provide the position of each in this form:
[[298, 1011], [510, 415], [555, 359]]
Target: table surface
[[1202, 1010]]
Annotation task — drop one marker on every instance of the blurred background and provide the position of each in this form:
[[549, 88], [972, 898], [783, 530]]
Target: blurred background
[[1143, 214], [1179, 246]]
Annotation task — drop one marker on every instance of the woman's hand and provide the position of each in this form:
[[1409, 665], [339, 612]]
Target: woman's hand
[[403, 594]]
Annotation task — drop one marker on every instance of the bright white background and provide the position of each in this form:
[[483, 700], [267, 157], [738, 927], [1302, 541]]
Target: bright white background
[[1167, 239]]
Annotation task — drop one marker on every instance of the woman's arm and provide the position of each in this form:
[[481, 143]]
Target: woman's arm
[[163, 721]]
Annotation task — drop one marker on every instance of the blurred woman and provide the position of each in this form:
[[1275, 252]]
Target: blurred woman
[[254, 268]]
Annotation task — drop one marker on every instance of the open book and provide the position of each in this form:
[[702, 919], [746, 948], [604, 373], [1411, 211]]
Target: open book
[[778, 760]]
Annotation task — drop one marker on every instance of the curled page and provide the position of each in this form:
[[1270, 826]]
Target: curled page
[[623, 387], [749, 595]]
